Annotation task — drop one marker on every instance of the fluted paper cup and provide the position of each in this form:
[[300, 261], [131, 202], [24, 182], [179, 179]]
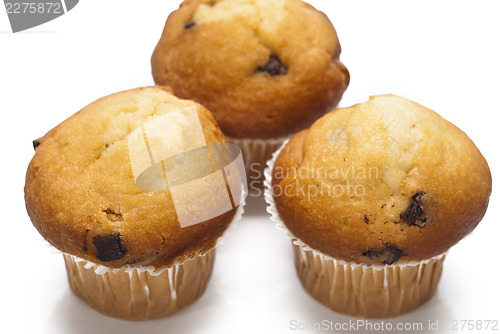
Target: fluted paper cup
[[136, 294], [369, 291], [256, 153], [142, 292]]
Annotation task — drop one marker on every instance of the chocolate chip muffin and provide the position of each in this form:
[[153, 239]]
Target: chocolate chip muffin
[[374, 195], [83, 195], [266, 69]]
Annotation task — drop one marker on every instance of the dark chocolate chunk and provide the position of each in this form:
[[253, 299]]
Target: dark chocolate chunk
[[367, 220], [109, 247], [36, 143], [388, 255], [273, 67], [189, 25], [414, 214]]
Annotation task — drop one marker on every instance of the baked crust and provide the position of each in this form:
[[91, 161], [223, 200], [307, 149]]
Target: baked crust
[[425, 184], [265, 69], [81, 194]]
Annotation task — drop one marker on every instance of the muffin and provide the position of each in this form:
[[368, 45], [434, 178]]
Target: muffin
[[265, 69], [373, 197], [92, 192]]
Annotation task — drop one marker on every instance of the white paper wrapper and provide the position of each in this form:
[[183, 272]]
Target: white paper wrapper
[[142, 292], [356, 289], [138, 295], [256, 153]]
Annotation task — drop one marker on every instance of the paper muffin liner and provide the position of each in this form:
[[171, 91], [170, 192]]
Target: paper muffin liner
[[256, 153], [370, 291], [138, 295], [143, 292]]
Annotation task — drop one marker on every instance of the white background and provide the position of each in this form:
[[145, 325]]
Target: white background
[[442, 54]]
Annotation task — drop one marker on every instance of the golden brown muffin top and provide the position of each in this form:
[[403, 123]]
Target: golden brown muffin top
[[383, 181], [266, 69], [81, 193]]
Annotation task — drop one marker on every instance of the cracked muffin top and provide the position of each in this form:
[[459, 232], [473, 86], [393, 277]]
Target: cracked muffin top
[[265, 69], [382, 182], [81, 193]]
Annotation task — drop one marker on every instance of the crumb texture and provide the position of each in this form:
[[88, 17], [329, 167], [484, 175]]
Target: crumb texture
[[266, 69], [81, 193], [381, 182]]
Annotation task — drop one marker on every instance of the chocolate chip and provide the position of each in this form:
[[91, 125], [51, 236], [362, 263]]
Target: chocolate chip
[[273, 67], [109, 247], [36, 143], [414, 214], [388, 255], [189, 25], [367, 220]]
